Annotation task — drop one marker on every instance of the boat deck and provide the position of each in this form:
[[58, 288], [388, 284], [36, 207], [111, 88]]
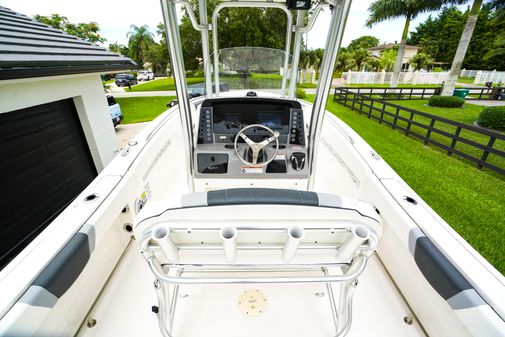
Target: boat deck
[[124, 307]]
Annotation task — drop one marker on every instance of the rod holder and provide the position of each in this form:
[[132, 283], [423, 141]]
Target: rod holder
[[359, 234], [161, 235], [228, 236], [295, 235]]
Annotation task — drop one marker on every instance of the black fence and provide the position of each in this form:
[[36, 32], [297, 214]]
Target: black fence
[[413, 93], [484, 147]]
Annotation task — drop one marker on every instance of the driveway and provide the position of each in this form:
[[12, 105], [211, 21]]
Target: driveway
[[125, 132]]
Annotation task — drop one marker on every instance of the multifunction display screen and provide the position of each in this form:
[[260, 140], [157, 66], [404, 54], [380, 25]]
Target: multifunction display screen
[[229, 119]]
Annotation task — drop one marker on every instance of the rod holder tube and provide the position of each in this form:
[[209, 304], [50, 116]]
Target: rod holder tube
[[161, 235], [295, 235], [228, 236], [359, 234]]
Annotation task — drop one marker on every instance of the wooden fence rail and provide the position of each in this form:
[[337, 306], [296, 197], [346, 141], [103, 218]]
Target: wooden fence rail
[[438, 129], [412, 93]]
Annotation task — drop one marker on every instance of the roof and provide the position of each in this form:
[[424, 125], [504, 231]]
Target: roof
[[32, 49], [391, 45]]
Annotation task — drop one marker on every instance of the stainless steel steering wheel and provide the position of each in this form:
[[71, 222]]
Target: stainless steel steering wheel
[[256, 147]]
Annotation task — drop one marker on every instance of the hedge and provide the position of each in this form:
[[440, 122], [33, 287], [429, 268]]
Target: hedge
[[446, 101], [493, 117]]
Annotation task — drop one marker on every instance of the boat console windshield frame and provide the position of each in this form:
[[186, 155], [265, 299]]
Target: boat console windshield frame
[[339, 11]]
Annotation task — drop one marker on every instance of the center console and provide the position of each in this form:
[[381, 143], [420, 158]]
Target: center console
[[222, 118]]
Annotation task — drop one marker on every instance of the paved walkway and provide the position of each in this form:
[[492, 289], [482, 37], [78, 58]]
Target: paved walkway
[[486, 102], [143, 93], [125, 132]]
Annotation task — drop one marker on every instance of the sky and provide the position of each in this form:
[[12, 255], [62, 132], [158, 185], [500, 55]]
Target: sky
[[115, 17]]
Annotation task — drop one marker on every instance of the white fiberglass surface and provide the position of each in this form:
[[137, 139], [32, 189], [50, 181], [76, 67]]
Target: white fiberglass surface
[[124, 307]]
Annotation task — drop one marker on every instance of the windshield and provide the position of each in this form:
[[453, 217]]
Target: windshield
[[252, 68]]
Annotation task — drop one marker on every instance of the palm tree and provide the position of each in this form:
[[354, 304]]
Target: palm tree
[[139, 41], [382, 10], [421, 60], [499, 49], [464, 42], [387, 59]]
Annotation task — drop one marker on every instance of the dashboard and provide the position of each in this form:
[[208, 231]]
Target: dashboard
[[220, 121]]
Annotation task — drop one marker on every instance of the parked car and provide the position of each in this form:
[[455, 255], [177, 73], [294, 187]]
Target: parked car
[[123, 79], [145, 75], [114, 109]]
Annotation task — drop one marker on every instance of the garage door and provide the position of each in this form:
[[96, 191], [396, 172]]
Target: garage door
[[44, 164]]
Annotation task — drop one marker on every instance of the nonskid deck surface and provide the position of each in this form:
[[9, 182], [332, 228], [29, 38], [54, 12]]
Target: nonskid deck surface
[[124, 308]]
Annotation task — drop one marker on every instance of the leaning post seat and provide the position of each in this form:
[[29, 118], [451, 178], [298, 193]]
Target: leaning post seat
[[247, 235]]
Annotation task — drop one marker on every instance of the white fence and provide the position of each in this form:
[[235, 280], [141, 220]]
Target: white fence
[[417, 77], [469, 73], [489, 76]]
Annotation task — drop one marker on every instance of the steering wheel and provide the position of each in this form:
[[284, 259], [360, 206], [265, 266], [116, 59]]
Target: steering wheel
[[257, 147]]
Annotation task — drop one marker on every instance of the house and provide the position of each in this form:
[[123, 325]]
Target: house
[[410, 52], [56, 132]]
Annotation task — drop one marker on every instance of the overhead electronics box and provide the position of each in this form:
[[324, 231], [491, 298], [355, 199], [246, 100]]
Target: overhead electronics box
[[298, 4]]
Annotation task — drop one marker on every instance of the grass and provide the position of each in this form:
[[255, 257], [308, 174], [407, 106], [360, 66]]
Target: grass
[[143, 109], [307, 85], [471, 201], [466, 115], [255, 81], [162, 84], [466, 80], [388, 86]]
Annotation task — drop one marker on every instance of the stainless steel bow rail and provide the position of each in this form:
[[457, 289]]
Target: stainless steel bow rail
[[350, 257]]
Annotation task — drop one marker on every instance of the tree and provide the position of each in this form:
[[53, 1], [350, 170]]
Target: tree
[[387, 59], [140, 39], [235, 29], [439, 37], [382, 10], [499, 49], [464, 43], [311, 58], [87, 31], [119, 48], [421, 60], [363, 42], [157, 55], [362, 58]]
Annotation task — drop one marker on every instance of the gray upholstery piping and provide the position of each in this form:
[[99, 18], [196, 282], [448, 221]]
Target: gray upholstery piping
[[239, 196], [466, 299], [329, 200], [194, 199], [39, 297], [59, 275], [441, 274]]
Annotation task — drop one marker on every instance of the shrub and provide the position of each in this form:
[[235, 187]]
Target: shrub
[[446, 101], [437, 70], [300, 93], [493, 117]]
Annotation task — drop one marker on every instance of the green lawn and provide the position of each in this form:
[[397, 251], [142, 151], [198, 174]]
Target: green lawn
[[143, 109], [471, 201], [255, 81], [466, 80], [467, 115], [388, 86], [162, 84], [307, 85]]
